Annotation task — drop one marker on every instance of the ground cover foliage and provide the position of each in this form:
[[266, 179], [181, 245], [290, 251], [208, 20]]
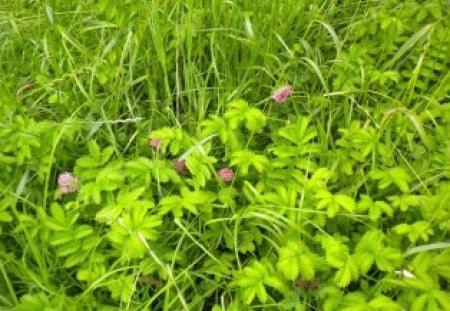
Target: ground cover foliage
[[144, 164]]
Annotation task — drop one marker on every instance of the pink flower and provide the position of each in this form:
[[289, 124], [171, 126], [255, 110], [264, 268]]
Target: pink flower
[[155, 143], [226, 174], [179, 165], [67, 182], [282, 94]]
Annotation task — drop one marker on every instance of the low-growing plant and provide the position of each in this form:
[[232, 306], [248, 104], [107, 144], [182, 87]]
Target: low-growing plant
[[280, 229], [258, 155]]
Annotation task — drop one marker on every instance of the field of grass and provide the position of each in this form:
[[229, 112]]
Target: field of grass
[[148, 160]]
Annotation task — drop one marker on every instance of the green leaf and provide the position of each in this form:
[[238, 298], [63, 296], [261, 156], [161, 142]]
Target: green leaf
[[58, 221], [404, 202], [346, 273], [251, 281], [127, 196], [337, 253], [197, 200], [236, 111], [106, 154], [87, 162], [396, 175], [387, 258], [110, 178], [171, 137], [277, 283], [172, 204], [255, 120], [217, 125], [306, 267], [68, 248], [371, 249], [345, 202], [200, 165], [381, 303], [442, 299], [333, 203], [75, 259], [55, 226], [60, 238], [288, 264], [82, 231], [246, 158], [189, 200], [299, 133], [408, 45], [427, 247], [109, 213], [94, 150], [364, 261], [122, 287], [261, 293], [376, 209], [295, 258], [332, 298], [416, 231]]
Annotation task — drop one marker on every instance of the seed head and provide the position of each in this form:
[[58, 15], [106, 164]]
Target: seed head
[[67, 182], [282, 94], [155, 143], [226, 174], [179, 165]]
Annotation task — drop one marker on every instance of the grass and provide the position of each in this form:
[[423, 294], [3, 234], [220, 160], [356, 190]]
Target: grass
[[113, 71]]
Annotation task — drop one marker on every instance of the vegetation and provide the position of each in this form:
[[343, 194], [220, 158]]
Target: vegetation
[[224, 155]]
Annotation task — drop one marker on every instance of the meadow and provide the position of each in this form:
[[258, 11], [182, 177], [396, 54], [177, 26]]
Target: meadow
[[225, 155]]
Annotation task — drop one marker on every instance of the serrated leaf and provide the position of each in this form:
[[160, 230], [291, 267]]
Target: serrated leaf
[[249, 295], [236, 111], [68, 248], [299, 133], [288, 264], [251, 281], [277, 283], [94, 150], [55, 226], [346, 273], [106, 154], [255, 120], [306, 267], [216, 125], [60, 238], [82, 231], [381, 303], [75, 258], [345, 202], [386, 258], [90, 242], [128, 196], [396, 175], [109, 212], [364, 261], [336, 252], [246, 158], [343, 277], [261, 293], [58, 214]]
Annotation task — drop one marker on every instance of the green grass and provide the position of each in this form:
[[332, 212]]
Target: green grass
[[372, 78]]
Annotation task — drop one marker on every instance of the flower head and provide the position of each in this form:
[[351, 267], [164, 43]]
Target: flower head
[[282, 94], [226, 174], [155, 143], [67, 182], [179, 165]]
